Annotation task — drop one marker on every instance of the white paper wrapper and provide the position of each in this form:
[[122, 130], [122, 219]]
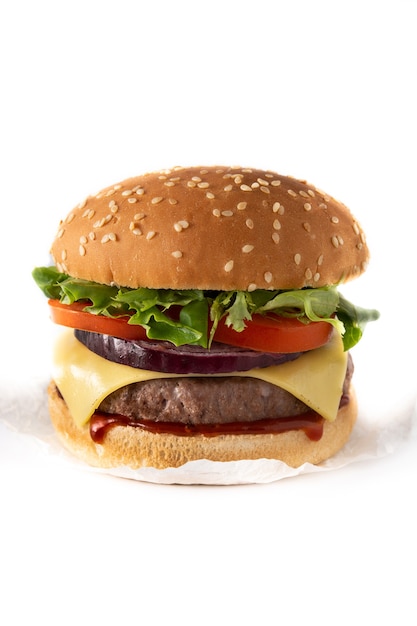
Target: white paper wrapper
[[25, 410]]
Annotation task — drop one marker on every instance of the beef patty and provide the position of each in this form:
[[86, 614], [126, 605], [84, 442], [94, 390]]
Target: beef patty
[[207, 400]]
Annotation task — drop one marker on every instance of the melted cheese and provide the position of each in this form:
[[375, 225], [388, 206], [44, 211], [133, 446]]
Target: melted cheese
[[85, 379]]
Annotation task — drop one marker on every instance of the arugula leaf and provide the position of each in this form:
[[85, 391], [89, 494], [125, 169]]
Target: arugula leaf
[[236, 305], [49, 280], [192, 308], [354, 319]]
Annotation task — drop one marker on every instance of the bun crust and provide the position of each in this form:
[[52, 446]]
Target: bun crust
[[136, 448], [219, 228]]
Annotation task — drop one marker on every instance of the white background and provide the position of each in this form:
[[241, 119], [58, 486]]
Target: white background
[[94, 92]]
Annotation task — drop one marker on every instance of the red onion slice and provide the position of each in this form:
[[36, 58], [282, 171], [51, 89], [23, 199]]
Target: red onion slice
[[163, 356]]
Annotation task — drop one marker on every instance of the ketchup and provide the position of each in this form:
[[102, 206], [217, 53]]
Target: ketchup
[[310, 422]]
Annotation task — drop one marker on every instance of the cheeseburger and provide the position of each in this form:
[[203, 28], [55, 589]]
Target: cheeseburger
[[204, 320]]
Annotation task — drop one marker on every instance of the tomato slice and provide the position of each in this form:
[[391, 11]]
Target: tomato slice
[[264, 334], [276, 334], [73, 316]]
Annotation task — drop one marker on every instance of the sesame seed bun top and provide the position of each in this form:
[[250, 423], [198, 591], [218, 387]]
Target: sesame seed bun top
[[220, 228]]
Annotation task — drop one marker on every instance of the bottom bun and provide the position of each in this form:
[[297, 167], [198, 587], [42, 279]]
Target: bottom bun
[[134, 447]]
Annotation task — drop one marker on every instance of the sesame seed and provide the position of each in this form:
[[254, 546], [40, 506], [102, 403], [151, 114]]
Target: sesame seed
[[308, 274], [322, 205], [150, 235], [177, 254], [228, 188], [169, 183], [60, 233], [276, 225], [91, 236], [179, 226], [297, 258], [275, 183], [140, 191], [275, 237], [83, 239], [249, 223], [136, 231], [356, 228], [228, 266], [210, 195], [108, 237], [227, 213], [245, 188], [130, 200], [268, 277], [247, 248], [307, 227], [334, 219], [196, 179], [291, 193], [203, 185], [64, 255], [276, 207], [307, 206], [216, 212], [156, 200], [83, 203], [252, 287], [82, 250], [316, 277], [172, 201], [303, 193], [69, 218], [264, 189], [311, 193], [126, 192], [335, 241], [191, 183], [261, 181], [110, 192], [241, 206], [139, 216], [320, 260]]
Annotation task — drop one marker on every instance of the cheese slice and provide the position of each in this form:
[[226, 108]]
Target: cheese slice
[[85, 379]]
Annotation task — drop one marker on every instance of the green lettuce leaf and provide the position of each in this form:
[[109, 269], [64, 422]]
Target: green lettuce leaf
[[187, 322]]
